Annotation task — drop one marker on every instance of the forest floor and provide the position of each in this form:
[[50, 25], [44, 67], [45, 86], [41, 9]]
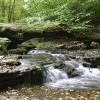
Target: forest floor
[[45, 93]]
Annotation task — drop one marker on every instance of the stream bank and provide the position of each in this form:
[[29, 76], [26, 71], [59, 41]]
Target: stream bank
[[47, 34], [31, 68], [44, 41]]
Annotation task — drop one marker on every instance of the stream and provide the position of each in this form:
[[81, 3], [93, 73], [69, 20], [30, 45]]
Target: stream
[[70, 80], [56, 77]]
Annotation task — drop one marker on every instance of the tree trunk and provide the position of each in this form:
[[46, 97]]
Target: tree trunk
[[3, 8], [9, 12], [12, 11]]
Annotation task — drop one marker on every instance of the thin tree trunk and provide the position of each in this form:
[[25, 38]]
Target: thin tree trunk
[[3, 8], [12, 11], [9, 11]]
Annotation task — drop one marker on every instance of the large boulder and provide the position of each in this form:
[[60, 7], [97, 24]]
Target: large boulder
[[70, 67], [71, 70], [42, 43], [23, 69]]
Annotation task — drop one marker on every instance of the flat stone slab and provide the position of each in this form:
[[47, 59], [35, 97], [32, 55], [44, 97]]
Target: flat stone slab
[[18, 69]]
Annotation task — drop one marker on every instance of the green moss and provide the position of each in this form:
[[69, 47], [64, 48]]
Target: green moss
[[27, 46], [17, 51], [93, 36], [30, 44], [85, 33], [41, 43], [2, 29], [81, 29], [4, 41], [38, 27], [45, 45]]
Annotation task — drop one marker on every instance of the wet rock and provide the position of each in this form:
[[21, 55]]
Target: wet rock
[[86, 64], [68, 67], [94, 62], [14, 72], [94, 45], [77, 46], [71, 70], [59, 65], [61, 46], [22, 70]]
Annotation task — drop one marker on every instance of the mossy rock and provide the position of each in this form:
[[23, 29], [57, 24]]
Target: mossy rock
[[18, 51], [4, 40], [34, 43], [42, 43], [84, 33], [29, 44], [93, 36]]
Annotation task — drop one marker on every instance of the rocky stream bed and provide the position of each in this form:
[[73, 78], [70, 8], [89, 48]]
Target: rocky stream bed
[[50, 61], [17, 71]]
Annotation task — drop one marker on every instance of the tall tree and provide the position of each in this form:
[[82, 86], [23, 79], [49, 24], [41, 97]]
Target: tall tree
[[11, 10]]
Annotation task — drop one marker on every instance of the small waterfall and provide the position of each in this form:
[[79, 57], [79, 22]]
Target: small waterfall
[[90, 78], [59, 77], [53, 75]]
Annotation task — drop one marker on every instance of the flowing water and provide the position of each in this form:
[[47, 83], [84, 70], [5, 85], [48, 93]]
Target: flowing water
[[88, 78]]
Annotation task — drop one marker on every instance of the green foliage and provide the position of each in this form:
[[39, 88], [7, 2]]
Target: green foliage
[[11, 10], [68, 11]]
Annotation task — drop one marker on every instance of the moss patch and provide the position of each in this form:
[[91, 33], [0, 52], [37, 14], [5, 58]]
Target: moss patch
[[4, 41], [84, 33], [38, 27], [18, 51], [43, 43]]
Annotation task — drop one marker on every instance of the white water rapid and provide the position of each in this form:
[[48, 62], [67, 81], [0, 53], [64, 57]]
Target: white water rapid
[[88, 78]]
